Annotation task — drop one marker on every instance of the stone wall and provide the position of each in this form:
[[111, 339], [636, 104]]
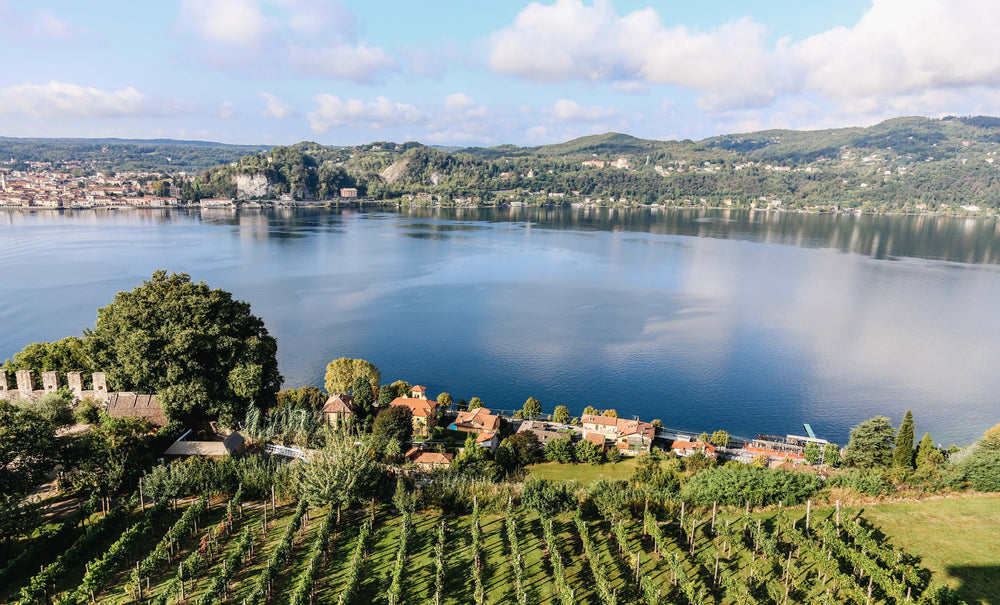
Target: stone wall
[[24, 387]]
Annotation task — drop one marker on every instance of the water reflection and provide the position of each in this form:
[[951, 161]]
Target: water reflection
[[706, 319]]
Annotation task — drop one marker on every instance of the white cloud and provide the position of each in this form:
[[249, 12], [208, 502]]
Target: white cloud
[[238, 22], [227, 110], [314, 37], [569, 40], [570, 111], [380, 113], [360, 63], [40, 23], [276, 108], [60, 99], [901, 53], [901, 46]]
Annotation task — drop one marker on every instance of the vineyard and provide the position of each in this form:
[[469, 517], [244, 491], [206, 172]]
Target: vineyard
[[231, 551]]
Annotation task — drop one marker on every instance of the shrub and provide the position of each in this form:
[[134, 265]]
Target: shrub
[[736, 485]]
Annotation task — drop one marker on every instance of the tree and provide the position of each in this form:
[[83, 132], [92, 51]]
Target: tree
[[871, 444], [924, 450], [612, 413], [812, 453], [304, 398], [561, 414], [385, 396], [340, 375], [590, 411], [401, 388], [532, 408], [364, 398], [721, 438], [831, 454], [203, 353], [588, 451], [902, 456], [475, 402], [344, 473], [657, 423], [704, 437], [27, 447], [444, 400], [66, 355], [394, 422], [559, 450]]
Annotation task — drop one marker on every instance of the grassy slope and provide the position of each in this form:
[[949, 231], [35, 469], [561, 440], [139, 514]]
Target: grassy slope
[[957, 538]]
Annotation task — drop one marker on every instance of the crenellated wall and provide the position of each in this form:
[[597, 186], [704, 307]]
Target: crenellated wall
[[25, 385]]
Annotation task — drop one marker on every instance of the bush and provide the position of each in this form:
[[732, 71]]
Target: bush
[[544, 496], [87, 412], [735, 485], [862, 482]]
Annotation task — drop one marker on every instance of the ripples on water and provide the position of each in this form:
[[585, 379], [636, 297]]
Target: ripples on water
[[706, 319]]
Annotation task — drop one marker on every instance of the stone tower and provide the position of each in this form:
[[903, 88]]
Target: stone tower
[[4, 385], [100, 386]]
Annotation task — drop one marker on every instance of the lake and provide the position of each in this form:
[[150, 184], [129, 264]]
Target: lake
[[748, 322]]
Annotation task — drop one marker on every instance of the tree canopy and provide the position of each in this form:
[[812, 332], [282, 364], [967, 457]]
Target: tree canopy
[[202, 352], [871, 444], [340, 375]]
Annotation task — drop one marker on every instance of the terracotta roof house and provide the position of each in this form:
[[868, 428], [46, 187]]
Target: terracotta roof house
[[489, 440], [597, 439], [134, 405], [418, 392], [604, 424], [479, 420], [424, 412], [428, 459], [686, 448], [337, 409], [631, 436]]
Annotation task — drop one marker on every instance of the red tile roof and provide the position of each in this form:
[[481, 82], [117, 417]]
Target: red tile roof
[[424, 456], [477, 419], [339, 404], [421, 408]]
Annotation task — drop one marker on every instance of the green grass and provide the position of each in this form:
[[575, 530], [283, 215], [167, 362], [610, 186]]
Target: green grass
[[584, 473], [957, 538]]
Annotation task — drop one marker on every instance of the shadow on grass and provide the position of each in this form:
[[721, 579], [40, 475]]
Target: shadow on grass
[[979, 583]]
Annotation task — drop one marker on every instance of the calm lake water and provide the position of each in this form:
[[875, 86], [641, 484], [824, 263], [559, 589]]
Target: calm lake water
[[704, 319]]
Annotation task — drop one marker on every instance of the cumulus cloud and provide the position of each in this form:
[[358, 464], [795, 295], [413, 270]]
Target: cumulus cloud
[[60, 99], [314, 37], [276, 108], [902, 46], [570, 40], [902, 53], [380, 113]]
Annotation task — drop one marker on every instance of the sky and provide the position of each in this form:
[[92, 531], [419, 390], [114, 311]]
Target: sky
[[448, 72]]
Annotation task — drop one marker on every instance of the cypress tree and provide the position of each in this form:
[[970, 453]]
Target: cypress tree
[[926, 447], [902, 457]]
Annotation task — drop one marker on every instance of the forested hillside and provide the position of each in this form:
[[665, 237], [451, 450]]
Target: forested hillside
[[911, 164]]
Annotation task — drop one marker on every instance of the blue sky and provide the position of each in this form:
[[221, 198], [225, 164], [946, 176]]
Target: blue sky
[[461, 73]]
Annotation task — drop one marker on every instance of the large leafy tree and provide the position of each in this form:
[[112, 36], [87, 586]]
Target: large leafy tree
[[394, 422], [27, 453], [340, 375], [871, 444], [66, 355], [204, 353]]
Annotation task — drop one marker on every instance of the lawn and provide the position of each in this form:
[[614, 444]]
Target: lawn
[[584, 473], [957, 538]]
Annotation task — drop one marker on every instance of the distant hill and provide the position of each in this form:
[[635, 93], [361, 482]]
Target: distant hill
[[910, 164], [149, 155]]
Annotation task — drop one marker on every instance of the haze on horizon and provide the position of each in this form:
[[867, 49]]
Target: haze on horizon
[[347, 72]]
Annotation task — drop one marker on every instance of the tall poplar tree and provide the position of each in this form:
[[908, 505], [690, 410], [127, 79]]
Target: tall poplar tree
[[902, 456]]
